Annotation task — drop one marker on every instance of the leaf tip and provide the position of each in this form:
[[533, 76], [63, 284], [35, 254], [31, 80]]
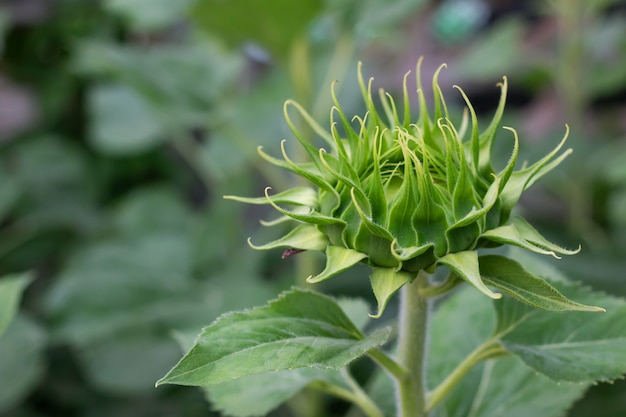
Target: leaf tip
[[252, 245]]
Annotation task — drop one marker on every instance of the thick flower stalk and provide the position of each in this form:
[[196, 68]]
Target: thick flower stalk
[[404, 195]]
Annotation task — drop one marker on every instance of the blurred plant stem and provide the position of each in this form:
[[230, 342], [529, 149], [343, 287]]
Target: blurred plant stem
[[573, 16], [572, 78]]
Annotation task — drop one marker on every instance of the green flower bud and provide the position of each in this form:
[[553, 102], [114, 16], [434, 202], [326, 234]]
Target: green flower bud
[[404, 195]]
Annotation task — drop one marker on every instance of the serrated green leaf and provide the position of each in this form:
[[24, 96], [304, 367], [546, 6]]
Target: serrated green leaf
[[465, 265], [519, 233], [303, 237], [512, 279], [497, 387], [572, 346], [11, 288], [338, 259], [264, 392], [385, 283], [300, 329]]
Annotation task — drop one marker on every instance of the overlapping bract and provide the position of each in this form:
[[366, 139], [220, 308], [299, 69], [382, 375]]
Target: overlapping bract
[[403, 195]]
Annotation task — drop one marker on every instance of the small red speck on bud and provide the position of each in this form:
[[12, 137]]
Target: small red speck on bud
[[290, 252]]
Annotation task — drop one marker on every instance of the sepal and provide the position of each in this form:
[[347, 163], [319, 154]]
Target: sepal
[[338, 259], [303, 237], [519, 233], [299, 196], [385, 283], [512, 279], [465, 265]]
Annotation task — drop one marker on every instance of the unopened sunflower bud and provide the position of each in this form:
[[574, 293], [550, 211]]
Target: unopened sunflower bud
[[406, 195]]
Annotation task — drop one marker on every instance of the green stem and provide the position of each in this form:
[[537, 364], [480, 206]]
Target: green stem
[[388, 364], [489, 349], [356, 396], [307, 403], [412, 340], [360, 397]]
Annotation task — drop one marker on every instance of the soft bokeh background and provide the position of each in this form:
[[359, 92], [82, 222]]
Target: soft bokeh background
[[123, 122]]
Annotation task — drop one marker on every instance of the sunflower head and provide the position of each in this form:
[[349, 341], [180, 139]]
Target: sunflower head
[[405, 195]]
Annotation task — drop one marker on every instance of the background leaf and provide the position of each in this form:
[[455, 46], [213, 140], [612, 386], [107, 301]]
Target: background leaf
[[21, 360], [149, 15], [11, 288], [123, 122], [264, 392], [118, 298]]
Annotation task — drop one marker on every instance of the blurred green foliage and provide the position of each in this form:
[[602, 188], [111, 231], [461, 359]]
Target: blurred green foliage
[[122, 123]]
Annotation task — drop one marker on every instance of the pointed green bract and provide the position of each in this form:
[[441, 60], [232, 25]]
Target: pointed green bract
[[338, 259], [511, 278], [521, 180], [465, 265], [303, 237], [300, 329], [300, 196], [385, 283], [312, 217], [519, 233]]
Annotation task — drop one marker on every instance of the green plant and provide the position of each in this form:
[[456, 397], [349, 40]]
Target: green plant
[[407, 198]]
